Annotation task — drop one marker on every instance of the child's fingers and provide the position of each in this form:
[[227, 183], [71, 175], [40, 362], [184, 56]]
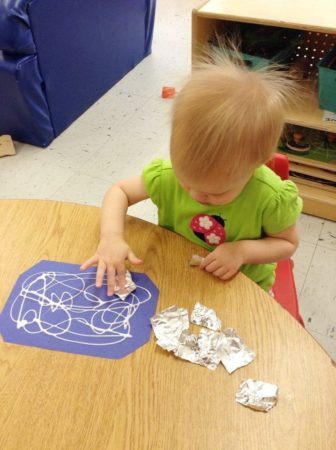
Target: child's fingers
[[110, 280], [121, 272], [88, 263], [221, 272], [207, 260], [214, 265], [203, 264], [133, 259], [100, 273], [229, 274]]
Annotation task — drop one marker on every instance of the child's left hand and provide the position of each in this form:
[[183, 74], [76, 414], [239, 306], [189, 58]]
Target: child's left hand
[[225, 261]]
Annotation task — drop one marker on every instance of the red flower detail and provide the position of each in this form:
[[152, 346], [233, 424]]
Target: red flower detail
[[213, 233]]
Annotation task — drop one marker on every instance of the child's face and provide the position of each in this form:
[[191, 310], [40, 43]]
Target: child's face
[[213, 191]]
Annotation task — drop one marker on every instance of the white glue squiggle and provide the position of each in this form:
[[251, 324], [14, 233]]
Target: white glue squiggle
[[77, 314]]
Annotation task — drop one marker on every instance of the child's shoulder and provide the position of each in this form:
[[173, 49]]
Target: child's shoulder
[[159, 176], [265, 178], [158, 165], [272, 190], [281, 204]]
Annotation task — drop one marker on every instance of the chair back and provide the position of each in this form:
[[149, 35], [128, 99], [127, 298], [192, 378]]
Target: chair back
[[280, 165]]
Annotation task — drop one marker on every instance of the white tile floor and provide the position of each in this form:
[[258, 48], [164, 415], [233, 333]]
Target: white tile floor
[[127, 128]]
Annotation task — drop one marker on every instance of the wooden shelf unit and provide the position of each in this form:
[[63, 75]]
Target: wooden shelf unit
[[308, 16]]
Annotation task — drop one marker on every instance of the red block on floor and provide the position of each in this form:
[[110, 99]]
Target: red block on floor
[[168, 92]]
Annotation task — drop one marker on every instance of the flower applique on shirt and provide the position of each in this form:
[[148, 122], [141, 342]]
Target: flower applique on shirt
[[209, 228]]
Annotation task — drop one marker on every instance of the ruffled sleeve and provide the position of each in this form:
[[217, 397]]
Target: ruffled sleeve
[[283, 209], [151, 176]]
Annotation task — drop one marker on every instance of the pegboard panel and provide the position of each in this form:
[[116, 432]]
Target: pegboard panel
[[312, 48]]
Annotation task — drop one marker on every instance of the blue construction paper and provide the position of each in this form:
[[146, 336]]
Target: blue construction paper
[[54, 305]]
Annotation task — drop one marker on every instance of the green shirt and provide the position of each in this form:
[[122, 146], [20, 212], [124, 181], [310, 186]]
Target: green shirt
[[266, 205]]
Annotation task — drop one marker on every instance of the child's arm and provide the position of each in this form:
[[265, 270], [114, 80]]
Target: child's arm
[[226, 260], [112, 249]]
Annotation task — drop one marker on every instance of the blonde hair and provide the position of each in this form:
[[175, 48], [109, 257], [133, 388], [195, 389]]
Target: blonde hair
[[228, 118]]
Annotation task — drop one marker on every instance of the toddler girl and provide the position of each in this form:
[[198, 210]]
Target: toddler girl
[[216, 191]]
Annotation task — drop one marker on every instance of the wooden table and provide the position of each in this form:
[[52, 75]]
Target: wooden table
[[150, 399]]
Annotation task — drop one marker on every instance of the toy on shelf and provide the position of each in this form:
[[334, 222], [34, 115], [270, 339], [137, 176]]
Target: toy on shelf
[[297, 140], [313, 144], [329, 140]]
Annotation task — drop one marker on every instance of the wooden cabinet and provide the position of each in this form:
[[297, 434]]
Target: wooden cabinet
[[317, 21]]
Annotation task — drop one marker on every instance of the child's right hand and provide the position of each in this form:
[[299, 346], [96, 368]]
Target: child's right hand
[[110, 258]]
